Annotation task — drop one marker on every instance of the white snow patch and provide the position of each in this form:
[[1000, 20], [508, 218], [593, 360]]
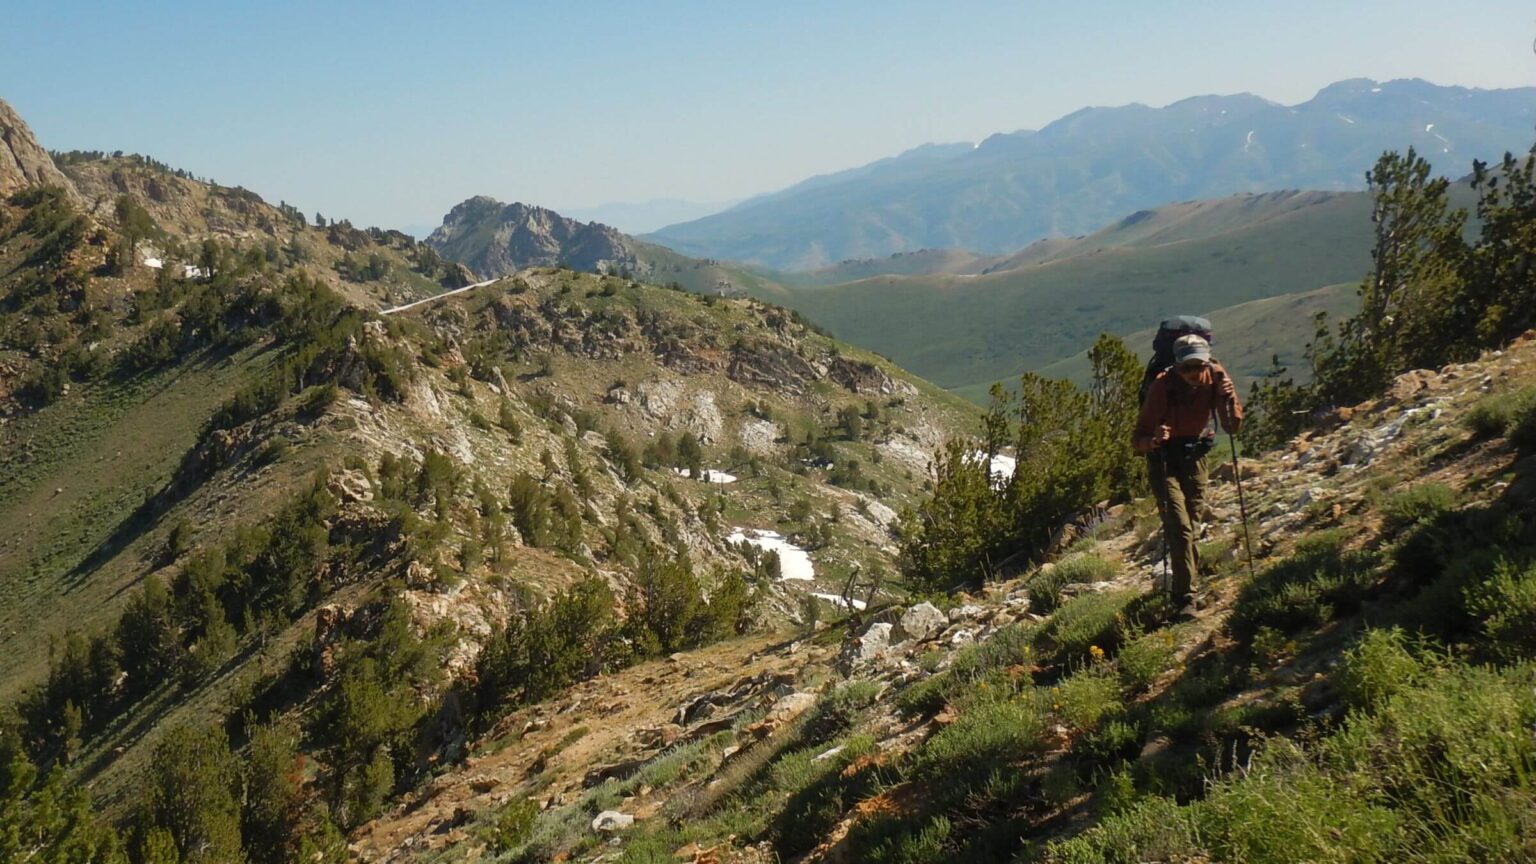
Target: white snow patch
[[710, 475], [1000, 467], [1248, 142], [1429, 128], [392, 310], [794, 562], [1345, 119], [1375, 89], [838, 601], [187, 270]]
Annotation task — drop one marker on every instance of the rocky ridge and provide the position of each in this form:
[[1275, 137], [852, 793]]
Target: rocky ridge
[[496, 239], [23, 162]]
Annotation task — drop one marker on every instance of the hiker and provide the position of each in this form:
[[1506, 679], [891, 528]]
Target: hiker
[[1174, 431]]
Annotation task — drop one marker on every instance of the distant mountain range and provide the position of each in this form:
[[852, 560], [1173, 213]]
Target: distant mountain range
[[1098, 164], [640, 217]]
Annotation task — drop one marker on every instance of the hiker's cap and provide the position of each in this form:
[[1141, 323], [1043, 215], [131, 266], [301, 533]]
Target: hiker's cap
[[1189, 349]]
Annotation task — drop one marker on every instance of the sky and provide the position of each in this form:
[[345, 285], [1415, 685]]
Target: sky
[[389, 113]]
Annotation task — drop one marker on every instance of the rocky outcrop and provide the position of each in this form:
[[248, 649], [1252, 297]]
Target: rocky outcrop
[[23, 162], [496, 239]]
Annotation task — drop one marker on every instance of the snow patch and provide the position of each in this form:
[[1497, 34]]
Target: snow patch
[[1248, 142], [1345, 119], [838, 601], [709, 475], [794, 562], [1429, 128], [1000, 467]]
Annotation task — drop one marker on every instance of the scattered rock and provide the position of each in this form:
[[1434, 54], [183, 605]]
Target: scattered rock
[[920, 622], [968, 612], [610, 821]]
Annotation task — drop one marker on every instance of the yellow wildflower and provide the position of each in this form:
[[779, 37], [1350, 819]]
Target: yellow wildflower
[[1096, 652]]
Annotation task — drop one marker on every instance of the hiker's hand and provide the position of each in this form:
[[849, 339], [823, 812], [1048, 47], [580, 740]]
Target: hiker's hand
[[1163, 436], [1227, 389]]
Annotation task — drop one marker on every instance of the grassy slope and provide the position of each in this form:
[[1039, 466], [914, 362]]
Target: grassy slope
[[1247, 335], [967, 331], [74, 475]]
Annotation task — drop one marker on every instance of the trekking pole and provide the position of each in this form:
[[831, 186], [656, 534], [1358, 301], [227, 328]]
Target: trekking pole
[[1242, 502], [1162, 518]]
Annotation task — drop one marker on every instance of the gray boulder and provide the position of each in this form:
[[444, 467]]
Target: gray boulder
[[920, 622], [610, 821]]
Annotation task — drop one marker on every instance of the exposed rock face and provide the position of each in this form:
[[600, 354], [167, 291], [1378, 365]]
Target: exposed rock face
[[496, 239], [23, 162]]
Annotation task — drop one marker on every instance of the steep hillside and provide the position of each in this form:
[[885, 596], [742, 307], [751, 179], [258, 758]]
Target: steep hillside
[[237, 493], [1096, 165], [1062, 717]]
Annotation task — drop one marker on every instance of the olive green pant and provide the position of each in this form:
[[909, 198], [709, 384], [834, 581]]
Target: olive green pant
[[1179, 484]]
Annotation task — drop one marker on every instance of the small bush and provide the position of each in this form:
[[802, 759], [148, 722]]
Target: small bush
[[1318, 582], [1522, 423], [1506, 606], [1085, 568], [1142, 661], [1086, 698], [1088, 621], [1379, 667], [838, 709], [1489, 418], [512, 826], [1417, 505], [987, 740]]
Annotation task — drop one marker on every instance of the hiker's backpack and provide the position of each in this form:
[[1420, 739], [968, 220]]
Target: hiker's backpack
[[1168, 333]]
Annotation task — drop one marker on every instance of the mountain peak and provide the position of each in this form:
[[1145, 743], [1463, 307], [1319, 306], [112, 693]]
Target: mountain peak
[[526, 235], [24, 162]]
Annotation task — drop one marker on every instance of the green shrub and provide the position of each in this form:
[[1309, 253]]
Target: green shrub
[[1318, 582], [1490, 417], [1522, 423], [925, 697], [1417, 505], [1506, 605], [838, 709], [986, 740], [1088, 621], [1083, 700], [512, 825], [1045, 587], [1379, 667], [1143, 660]]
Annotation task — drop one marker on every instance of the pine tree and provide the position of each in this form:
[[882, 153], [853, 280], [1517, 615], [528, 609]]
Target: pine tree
[[193, 794]]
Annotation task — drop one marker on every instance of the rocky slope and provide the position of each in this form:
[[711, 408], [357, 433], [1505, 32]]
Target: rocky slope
[[770, 749], [23, 162]]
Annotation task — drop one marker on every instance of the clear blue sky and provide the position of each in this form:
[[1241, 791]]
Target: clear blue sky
[[389, 113]]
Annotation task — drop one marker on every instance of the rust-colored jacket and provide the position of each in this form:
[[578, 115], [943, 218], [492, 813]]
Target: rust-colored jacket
[[1184, 408]]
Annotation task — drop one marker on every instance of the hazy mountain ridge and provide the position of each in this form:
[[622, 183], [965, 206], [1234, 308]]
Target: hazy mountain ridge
[[1096, 164]]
